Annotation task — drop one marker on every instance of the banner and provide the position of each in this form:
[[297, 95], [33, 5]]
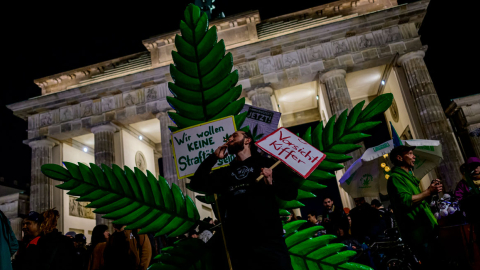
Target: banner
[[192, 145], [292, 150], [265, 120]]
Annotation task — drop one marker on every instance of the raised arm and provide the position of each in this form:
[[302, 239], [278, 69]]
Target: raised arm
[[203, 179]]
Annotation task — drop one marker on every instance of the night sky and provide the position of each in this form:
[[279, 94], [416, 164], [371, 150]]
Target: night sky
[[41, 39]]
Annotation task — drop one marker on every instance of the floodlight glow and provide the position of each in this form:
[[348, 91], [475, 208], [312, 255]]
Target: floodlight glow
[[383, 82], [140, 137], [85, 149]]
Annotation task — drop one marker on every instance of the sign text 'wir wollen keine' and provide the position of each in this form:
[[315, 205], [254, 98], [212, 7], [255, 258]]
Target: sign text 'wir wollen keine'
[[193, 145]]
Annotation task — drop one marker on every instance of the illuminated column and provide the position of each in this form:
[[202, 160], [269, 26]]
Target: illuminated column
[[168, 162], [432, 117], [104, 154], [41, 187], [261, 97], [337, 91], [339, 100], [104, 145]]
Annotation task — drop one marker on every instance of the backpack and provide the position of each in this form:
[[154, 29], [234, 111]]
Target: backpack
[[119, 253]]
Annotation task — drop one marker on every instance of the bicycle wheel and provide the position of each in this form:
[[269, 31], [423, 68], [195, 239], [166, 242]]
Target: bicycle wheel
[[397, 264]]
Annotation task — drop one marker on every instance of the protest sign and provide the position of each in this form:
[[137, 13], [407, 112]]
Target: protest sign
[[193, 145], [292, 150], [265, 120]]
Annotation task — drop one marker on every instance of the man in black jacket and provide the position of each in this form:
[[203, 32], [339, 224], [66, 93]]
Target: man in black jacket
[[332, 216], [249, 210]]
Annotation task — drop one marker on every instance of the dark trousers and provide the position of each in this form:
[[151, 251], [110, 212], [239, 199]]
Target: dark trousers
[[249, 253]]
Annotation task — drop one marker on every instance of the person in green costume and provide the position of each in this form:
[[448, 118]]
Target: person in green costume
[[417, 225]]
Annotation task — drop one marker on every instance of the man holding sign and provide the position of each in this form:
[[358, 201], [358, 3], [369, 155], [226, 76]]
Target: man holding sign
[[249, 210]]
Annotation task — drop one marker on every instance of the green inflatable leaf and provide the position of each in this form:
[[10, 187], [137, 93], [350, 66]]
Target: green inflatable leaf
[[312, 253], [189, 254], [128, 197], [339, 138], [204, 84]]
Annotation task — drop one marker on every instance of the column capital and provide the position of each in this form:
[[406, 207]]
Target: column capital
[[105, 127], [164, 113], [404, 58], [333, 73], [260, 90], [41, 143], [160, 114]]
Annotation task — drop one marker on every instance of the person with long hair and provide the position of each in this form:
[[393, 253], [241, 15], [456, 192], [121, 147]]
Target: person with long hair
[[97, 246], [56, 249]]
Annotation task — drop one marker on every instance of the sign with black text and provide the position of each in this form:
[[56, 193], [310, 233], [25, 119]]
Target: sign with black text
[[193, 145], [292, 150], [266, 121]]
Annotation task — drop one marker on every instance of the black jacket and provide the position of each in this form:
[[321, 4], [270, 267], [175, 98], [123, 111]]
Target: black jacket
[[334, 219], [247, 206], [56, 252]]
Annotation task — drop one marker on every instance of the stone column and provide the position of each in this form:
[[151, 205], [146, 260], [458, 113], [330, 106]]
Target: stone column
[[432, 117], [339, 100], [168, 162], [104, 154], [337, 91], [104, 145], [261, 97], [41, 187], [474, 139]]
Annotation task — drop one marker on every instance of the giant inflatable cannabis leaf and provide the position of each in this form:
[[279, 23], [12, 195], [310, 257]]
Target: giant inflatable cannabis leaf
[[204, 87], [336, 140], [129, 198], [307, 252], [185, 254]]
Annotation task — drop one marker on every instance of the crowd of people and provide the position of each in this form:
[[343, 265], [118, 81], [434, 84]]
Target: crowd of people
[[409, 211], [261, 244], [365, 223], [44, 247]]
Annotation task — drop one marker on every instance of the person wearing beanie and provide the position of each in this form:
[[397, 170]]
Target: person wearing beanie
[[28, 253], [471, 200], [71, 234], [416, 222], [81, 254], [470, 183]]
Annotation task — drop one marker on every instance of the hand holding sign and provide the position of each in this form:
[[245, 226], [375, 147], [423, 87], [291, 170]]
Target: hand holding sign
[[267, 173], [291, 150]]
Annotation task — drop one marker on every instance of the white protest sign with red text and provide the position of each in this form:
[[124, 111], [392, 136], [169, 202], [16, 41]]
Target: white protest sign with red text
[[292, 150]]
